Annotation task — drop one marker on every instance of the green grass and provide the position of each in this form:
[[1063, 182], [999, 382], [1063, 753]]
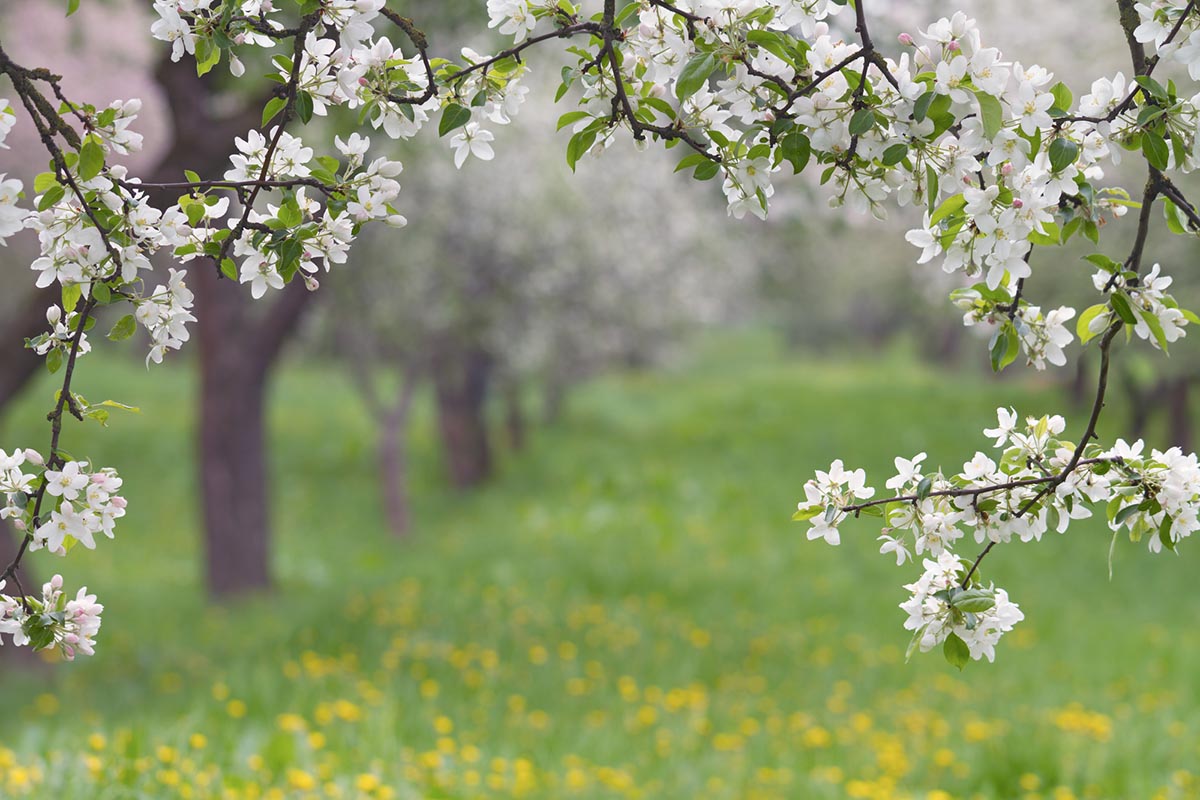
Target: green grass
[[627, 611]]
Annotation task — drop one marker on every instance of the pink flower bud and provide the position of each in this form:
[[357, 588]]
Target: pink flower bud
[[119, 502], [952, 46], [20, 525], [99, 478], [768, 116], [905, 39], [362, 81], [1007, 168], [239, 39], [311, 283], [56, 582], [1018, 203], [34, 457]]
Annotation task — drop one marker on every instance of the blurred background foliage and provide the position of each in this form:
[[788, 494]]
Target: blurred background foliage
[[514, 490]]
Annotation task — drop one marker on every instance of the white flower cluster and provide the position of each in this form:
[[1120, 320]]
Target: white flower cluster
[[1037, 482], [53, 620], [941, 610], [165, 313], [88, 504]]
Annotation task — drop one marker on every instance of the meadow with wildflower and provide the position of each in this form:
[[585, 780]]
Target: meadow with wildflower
[[626, 613]]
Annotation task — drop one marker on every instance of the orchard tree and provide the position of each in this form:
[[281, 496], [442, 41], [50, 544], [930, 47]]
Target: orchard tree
[[487, 301], [1001, 158]]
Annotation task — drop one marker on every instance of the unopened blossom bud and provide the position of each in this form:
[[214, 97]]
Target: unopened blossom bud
[[952, 46], [768, 116], [1007, 168], [119, 502], [20, 525], [311, 283], [53, 315], [239, 39], [34, 457], [905, 39], [362, 81], [658, 91], [56, 582], [1018, 203]]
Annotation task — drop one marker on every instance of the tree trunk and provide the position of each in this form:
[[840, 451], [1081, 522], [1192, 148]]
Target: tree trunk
[[19, 364], [1179, 417], [393, 460], [514, 415], [239, 343], [461, 375]]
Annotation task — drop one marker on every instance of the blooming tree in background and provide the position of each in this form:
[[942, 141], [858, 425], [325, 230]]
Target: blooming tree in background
[[1000, 157]]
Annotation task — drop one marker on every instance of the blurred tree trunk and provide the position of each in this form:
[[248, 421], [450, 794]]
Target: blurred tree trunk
[[461, 378], [239, 343], [393, 456], [1179, 418], [18, 364], [514, 414]]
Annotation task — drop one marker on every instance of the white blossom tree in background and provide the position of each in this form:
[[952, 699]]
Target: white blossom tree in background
[[494, 296], [1002, 159]]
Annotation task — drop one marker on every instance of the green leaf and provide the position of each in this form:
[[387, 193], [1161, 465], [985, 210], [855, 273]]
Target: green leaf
[[951, 205], [894, 154], [690, 161], [1062, 97], [991, 113], [956, 651], [923, 487], [974, 601], [797, 150], [273, 107], [695, 75], [101, 293], [706, 171], [44, 182], [72, 7], [1085, 319], [125, 327], [229, 269], [54, 360], [808, 513], [91, 159], [579, 144], [455, 116], [208, 55], [571, 117], [1155, 150], [1124, 309], [304, 107], [1005, 347], [52, 196], [1063, 153], [1175, 220], [921, 107], [1156, 328], [71, 292], [862, 122]]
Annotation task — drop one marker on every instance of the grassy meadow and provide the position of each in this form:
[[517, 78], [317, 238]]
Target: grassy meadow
[[626, 612]]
